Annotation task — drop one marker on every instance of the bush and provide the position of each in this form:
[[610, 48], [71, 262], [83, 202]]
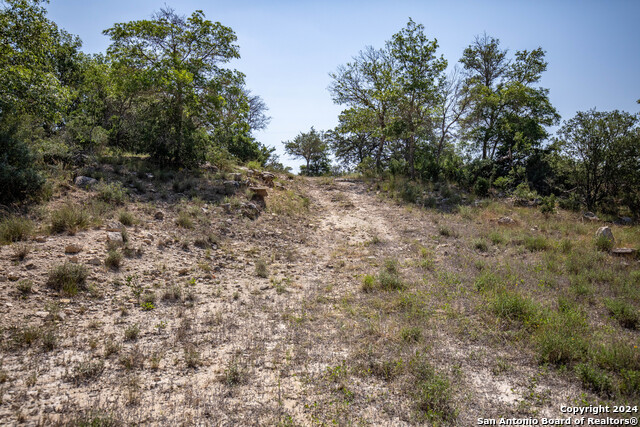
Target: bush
[[68, 278], [113, 260], [432, 394], [548, 205], [481, 187], [623, 312], [69, 218], [513, 306], [535, 244], [261, 269], [595, 379], [15, 229], [112, 192], [18, 177], [603, 244]]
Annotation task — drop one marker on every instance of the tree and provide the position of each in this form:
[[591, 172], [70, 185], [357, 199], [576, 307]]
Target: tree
[[605, 149], [352, 140], [507, 114], [173, 62], [312, 147]]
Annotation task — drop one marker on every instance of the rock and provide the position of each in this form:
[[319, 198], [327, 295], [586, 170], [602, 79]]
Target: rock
[[13, 277], [42, 313], [115, 226], [159, 215], [606, 233], [259, 191], [226, 207], [85, 181], [506, 220], [624, 220], [629, 252], [73, 259], [236, 177], [250, 210], [183, 271], [40, 239], [268, 178], [72, 249], [590, 216], [30, 266], [115, 237], [94, 261]]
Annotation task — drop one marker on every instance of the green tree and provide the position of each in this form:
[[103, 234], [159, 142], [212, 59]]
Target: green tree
[[507, 115], [605, 150], [173, 64], [310, 146]]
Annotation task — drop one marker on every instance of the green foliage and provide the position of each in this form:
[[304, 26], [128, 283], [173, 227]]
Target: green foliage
[[112, 192], [623, 312], [548, 205], [603, 244], [432, 393], [18, 177], [513, 306], [113, 259], [15, 229], [536, 243], [68, 278], [481, 187]]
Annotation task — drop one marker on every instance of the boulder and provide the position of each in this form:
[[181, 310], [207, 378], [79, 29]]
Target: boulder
[[250, 210], [115, 237], [85, 181], [230, 187], [506, 220], [268, 178], [237, 177], [605, 232], [590, 216], [626, 252]]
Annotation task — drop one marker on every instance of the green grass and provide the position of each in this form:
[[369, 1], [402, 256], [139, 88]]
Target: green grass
[[68, 278], [261, 268], [595, 379], [126, 218], [511, 305], [112, 192], [623, 312], [536, 243], [184, 220], [113, 259], [432, 393], [15, 229]]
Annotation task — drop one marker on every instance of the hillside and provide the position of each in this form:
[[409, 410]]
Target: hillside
[[332, 304]]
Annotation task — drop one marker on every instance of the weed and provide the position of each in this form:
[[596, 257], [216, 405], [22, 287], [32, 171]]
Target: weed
[[191, 356], [126, 218], [133, 359], [445, 231], [132, 332], [411, 334], [487, 280], [261, 268], [234, 373], [480, 245], [69, 218], [49, 339], [87, 370], [113, 259], [184, 220], [20, 252], [172, 293], [496, 238], [432, 393], [595, 379], [15, 229], [368, 283], [603, 244], [147, 306], [515, 307], [25, 287], [68, 278]]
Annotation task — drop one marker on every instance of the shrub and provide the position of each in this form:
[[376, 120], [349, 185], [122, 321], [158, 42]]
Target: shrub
[[603, 244], [481, 187], [432, 394], [480, 245], [536, 244], [630, 384], [69, 218], [18, 177], [548, 205], [15, 229], [68, 278], [388, 278], [368, 283], [184, 220], [126, 218], [112, 192], [513, 306], [595, 379], [562, 338]]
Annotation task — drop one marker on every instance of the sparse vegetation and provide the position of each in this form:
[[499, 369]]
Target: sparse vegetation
[[68, 278], [15, 229], [70, 218]]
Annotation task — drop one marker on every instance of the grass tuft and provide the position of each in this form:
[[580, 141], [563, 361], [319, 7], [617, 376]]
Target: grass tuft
[[68, 278]]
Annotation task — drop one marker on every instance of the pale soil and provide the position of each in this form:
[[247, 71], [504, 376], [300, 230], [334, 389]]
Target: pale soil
[[282, 334]]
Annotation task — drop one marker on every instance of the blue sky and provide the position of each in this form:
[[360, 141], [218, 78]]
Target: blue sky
[[288, 48]]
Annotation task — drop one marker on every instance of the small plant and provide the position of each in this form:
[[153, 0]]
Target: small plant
[[261, 268], [368, 283], [411, 334], [25, 287], [172, 293], [548, 205], [132, 332], [20, 252], [68, 278], [432, 394], [15, 229], [480, 245], [234, 373], [184, 220], [536, 244], [87, 370], [191, 356], [595, 379], [147, 306], [126, 218], [388, 278], [603, 244], [445, 231], [70, 218], [112, 192], [49, 339], [496, 238], [113, 259], [136, 287]]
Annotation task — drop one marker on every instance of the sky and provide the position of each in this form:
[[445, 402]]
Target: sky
[[288, 48]]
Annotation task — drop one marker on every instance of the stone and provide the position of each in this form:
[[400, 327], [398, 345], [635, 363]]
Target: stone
[[73, 259], [250, 210], [159, 215], [606, 233], [226, 207], [72, 249], [115, 226], [94, 261], [85, 181], [259, 191], [629, 252], [40, 239], [115, 237], [236, 177], [625, 220], [230, 187], [268, 178], [13, 277], [590, 216], [506, 220]]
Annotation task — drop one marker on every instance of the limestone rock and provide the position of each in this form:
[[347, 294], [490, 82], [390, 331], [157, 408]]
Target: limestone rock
[[628, 252], [115, 237], [72, 249], [506, 220], [115, 226], [590, 216], [606, 233], [85, 181]]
